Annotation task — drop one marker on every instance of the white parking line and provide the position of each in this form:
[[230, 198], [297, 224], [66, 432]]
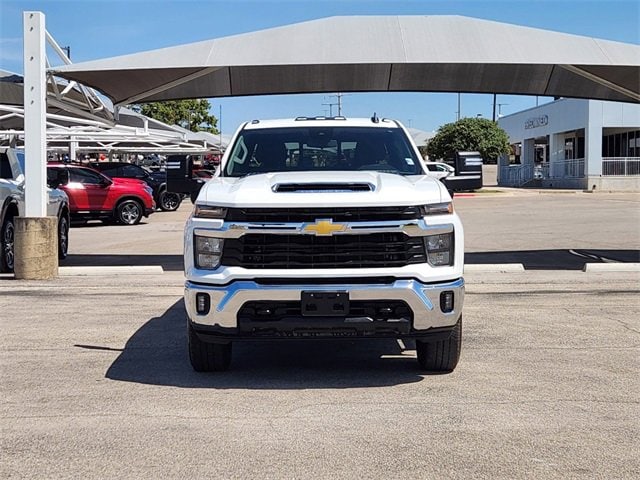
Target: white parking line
[[494, 267], [120, 270], [611, 267]]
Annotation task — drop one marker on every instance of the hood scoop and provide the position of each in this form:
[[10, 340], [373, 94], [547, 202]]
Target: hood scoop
[[322, 187]]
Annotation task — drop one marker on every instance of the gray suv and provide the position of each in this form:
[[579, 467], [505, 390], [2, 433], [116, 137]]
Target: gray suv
[[12, 205]]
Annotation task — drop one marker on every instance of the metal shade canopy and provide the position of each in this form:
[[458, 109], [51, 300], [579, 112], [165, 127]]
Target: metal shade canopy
[[62, 98], [373, 54]]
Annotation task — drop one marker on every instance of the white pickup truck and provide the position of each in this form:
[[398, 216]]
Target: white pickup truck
[[12, 205], [323, 228]]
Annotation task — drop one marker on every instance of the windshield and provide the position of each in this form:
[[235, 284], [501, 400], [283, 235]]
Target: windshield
[[322, 149]]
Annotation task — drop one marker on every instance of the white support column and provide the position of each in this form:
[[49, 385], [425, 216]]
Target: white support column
[[73, 148], [35, 241], [528, 152], [556, 154], [593, 141], [35, 106]]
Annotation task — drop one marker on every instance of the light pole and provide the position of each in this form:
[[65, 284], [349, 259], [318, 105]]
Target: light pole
[[330, 105], [220, 127], [338, 103]]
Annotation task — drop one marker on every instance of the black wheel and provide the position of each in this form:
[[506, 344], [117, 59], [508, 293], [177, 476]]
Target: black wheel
[[129, 212], [170, 201], [208, 357], [7, 237], [63, 237], [441, 355]]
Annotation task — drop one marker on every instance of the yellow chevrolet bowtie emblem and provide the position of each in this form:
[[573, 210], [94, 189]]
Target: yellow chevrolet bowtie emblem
[[324, 227]]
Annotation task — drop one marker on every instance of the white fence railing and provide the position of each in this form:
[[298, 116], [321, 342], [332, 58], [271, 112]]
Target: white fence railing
[[519, 175], [515, 175], [573, 168], [620, 166]]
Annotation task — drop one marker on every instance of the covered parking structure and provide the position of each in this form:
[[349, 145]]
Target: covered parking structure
[[79, 136], [351, 54], [80, 122], [373, 54]]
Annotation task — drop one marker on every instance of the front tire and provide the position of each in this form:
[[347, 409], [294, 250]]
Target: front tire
[[129, 212], [169, 201], [7, 245], [63, 237], [207, 357], [441, 356]]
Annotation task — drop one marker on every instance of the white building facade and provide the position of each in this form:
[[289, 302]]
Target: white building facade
[[570, 143]]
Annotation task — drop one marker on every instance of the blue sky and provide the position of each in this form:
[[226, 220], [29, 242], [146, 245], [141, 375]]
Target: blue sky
[[97, 29]]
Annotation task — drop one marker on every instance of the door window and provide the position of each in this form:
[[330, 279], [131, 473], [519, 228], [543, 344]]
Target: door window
[[132, 171], [85, 176], [5, 167]]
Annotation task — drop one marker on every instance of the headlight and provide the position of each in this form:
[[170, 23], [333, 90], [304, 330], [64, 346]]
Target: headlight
[[208, 252], [439, 249], [207, 211], [437, 209]]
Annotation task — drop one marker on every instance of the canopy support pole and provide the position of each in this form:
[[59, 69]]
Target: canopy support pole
[[35, 245], [35, 109]]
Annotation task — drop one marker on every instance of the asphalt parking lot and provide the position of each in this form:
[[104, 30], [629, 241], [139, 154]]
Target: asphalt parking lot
[[96, 382]]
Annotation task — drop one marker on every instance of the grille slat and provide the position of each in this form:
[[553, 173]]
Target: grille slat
[[260, 251], [337, 214]]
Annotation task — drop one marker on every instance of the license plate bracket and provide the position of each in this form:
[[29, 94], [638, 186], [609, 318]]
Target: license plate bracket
[[325, 304]]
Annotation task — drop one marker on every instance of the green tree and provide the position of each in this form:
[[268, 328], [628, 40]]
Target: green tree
[[190, 114], [469, 134]]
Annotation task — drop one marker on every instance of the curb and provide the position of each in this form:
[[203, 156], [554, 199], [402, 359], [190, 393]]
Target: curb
[[97, 271], [494, 267], [611, 267]]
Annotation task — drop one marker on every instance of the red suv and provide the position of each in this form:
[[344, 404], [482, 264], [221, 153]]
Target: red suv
[[92, 195]]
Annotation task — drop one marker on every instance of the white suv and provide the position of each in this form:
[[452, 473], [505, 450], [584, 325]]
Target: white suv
[[12, 205], [440, 170]]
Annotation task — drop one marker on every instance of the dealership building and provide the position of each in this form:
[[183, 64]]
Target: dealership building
[[570, 143]]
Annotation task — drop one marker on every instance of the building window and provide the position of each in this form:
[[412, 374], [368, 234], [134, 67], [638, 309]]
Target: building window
[[626, 144]]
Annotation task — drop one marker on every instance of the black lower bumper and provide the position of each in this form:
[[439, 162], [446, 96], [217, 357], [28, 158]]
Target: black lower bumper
[[321, 328]]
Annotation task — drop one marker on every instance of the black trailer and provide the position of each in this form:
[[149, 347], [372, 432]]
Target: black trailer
[[183, 178], [468, 174]]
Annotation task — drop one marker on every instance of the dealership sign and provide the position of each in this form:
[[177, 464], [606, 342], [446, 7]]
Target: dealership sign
[[536, 122]]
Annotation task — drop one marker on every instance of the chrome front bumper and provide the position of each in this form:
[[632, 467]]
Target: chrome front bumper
[[423, 299]]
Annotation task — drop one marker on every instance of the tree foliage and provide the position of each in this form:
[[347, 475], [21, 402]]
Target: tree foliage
[[469, 134], [190, 114]]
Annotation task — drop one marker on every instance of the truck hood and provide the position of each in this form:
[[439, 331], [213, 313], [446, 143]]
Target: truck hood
[[313, 189]]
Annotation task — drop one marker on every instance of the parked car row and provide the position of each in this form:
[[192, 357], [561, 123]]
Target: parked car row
[[108, 191]]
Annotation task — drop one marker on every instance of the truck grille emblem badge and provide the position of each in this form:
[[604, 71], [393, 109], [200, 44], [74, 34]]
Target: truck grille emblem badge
[[324, 227]]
